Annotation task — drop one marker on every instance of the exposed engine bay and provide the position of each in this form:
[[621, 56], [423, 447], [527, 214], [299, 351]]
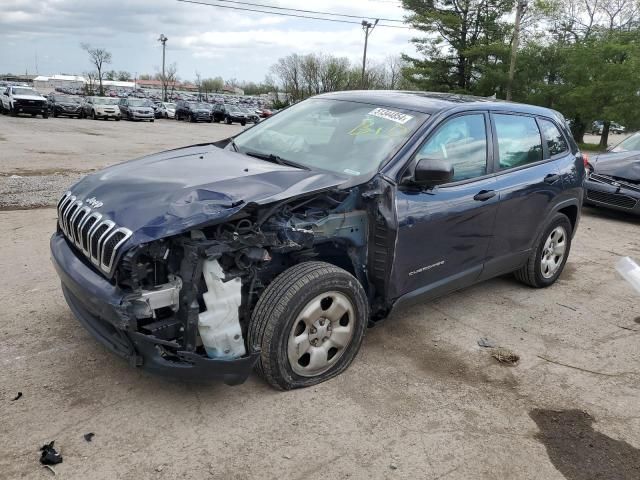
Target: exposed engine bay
[[196, 292]]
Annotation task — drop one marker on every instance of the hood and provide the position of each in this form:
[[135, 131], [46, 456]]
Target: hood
[[28, 97], [170, 192], [620, 164]]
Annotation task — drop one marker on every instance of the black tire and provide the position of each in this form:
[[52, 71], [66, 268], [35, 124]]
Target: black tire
[[93, 115], [12, 111], [243, 123], [45, 115], [192, 119], [117, 119], [228, 121], [531, 272], [278, 308], [152, 120]]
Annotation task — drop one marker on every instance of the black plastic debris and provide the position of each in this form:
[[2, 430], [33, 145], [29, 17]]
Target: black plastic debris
[[17, 397], [486, 342], [50, 455], [89, 436]]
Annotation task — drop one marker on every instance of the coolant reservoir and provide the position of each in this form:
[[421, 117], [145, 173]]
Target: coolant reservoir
[[219, 325]]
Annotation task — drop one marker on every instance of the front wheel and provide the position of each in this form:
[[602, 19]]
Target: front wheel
[[308, 325], [550, 253]]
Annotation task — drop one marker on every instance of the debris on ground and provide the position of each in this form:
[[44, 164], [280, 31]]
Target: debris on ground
[[89, 436], [50, 455], [393, 466], [486, 342], [49, 467], [17, 397], [504, 355]]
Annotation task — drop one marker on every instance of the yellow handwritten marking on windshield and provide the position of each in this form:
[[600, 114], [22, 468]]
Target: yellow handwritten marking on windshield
[[366, 127]]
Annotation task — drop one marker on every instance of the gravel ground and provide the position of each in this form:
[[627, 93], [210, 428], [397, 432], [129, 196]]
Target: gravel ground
[[34, 191], [422, 399], [41, 158]]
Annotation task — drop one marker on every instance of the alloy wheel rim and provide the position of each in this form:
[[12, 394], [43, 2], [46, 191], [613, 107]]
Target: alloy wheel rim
[[553, 252], [321, 333]]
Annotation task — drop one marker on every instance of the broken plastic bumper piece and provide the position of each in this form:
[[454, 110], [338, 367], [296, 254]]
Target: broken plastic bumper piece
[[103, 309]]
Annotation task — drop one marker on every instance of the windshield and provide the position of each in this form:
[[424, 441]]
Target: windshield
[[139, 102], [628, 144], [64, 99], [24, 91], [203, 105], [340, 136], [105, 101], [170, 106]]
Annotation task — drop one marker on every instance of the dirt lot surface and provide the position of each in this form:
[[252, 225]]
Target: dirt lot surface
[[422, 399], [44, 157]]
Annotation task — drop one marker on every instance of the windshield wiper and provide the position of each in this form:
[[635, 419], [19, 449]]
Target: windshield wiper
[[270, 157]]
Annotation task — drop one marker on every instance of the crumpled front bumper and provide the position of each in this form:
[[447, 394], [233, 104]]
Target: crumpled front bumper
[[616, 197], [103, 310]]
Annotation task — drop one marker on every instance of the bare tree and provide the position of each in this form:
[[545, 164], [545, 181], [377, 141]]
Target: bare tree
[[99, 57], [90, 86], [169, 78]]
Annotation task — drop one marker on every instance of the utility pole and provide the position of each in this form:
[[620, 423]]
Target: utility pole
[[163, 40], [522, 4], [368, 28]]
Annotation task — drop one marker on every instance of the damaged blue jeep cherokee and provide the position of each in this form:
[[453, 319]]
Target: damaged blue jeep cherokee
[[274, 250]]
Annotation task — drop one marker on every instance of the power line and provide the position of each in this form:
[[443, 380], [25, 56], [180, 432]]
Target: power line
[[282, 14], [305, 11]]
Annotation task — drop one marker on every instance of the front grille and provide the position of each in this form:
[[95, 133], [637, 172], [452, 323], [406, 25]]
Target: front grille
[[614, 199], [97, 238]]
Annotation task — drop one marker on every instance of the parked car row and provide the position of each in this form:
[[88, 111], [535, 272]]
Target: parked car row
[[25, 100], [598, 126]]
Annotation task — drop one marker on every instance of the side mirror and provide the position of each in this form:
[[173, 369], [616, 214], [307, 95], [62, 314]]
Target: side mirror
[[429, 172]]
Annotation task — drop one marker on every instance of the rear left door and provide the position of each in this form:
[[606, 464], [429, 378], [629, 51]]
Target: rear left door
[[528, 182]]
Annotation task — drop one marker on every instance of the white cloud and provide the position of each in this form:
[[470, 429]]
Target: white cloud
[[212, 40]]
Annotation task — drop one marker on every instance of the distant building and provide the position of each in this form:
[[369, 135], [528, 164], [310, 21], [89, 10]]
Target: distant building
[[45, 84], [233, 90]]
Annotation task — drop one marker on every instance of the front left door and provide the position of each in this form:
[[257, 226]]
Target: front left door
[[444, 232]]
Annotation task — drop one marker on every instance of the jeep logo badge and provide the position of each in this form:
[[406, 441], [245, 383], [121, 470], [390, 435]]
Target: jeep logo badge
[[94, 202]]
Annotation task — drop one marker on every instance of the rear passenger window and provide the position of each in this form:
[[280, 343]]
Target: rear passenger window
[[519, 140], [555, 141], [461, 142]]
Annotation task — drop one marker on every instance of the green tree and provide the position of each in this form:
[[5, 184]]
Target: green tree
[[464, 40]]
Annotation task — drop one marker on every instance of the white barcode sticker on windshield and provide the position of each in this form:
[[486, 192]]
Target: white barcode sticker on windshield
[[392, 115]]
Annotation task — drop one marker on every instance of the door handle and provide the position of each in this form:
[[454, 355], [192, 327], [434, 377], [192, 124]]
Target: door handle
[[551, 178], [483, 195]]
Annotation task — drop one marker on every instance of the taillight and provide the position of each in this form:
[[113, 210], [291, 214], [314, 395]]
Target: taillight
[[585, 159]]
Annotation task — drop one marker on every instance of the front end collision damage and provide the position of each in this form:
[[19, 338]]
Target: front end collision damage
[[186, 300]]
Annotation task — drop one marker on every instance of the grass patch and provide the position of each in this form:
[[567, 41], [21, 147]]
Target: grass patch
[[591, 147]]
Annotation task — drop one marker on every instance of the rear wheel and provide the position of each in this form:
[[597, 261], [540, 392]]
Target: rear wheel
[[308, 325], [547, 260]]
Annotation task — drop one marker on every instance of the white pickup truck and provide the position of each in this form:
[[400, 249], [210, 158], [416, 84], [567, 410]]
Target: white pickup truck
[[16, 100]]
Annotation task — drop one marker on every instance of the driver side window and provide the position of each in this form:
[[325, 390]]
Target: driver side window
[[461, 142]]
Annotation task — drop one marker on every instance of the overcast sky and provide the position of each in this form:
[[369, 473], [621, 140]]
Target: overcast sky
[[212, 41]]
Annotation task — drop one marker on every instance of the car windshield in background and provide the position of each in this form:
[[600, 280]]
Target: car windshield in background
[[139, 102], [105, 101], [24, 91], [628, 144], [170, 106], [65, 99], [203, 105], [340, 136]]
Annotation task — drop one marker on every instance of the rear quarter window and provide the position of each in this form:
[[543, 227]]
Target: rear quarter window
[[519, 140], [556, 142]]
